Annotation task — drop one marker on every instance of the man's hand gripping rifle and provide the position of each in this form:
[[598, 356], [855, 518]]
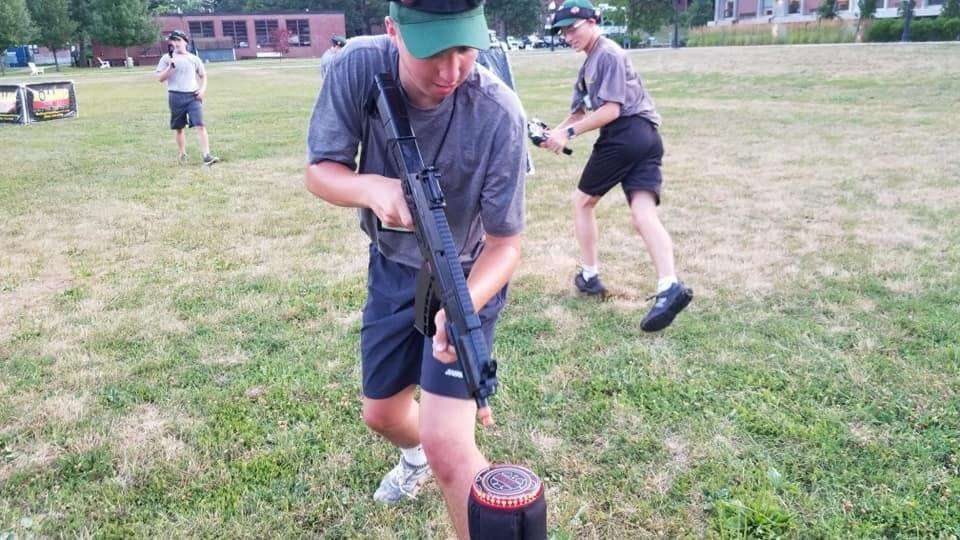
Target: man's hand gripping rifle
[[441, 281]]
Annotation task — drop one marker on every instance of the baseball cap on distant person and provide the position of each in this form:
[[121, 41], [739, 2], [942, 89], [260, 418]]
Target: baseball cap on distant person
[[572, 11], [430, 26], [177, 34]]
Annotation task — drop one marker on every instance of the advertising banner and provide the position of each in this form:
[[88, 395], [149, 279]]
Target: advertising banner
[[50, 100], [12, 107]]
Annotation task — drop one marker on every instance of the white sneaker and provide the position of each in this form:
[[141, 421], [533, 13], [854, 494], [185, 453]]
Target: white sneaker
[[402, 482]]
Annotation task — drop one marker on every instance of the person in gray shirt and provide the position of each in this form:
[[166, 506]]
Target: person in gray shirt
[[186, 81], [471, 126], [610, 96]]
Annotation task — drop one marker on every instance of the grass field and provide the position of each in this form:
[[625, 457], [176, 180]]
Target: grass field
[[178, 345]]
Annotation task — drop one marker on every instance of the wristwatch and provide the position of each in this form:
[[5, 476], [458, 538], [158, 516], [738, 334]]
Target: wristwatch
[[571, 133]]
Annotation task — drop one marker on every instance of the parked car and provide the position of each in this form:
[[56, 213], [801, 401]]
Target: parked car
[[533, 42], [495, 42]]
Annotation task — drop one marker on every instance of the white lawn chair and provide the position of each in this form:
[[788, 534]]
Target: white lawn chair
[[103, 63], [34, 70]]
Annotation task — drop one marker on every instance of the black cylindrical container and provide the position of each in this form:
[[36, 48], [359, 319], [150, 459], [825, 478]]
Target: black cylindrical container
[[507, 503]]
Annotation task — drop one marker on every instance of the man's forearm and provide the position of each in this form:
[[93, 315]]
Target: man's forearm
[[493, 268], [203, 84], [338, 185], [573, 118], [607, 113]]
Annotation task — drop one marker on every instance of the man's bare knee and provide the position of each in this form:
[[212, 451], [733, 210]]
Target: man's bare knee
[[445, 455], [582, 201], [382, 418]]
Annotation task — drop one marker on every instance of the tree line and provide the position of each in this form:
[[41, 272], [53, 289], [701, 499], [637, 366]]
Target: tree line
[[57, 24]]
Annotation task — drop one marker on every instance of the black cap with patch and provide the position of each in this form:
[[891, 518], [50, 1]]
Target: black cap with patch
[[177, 34]]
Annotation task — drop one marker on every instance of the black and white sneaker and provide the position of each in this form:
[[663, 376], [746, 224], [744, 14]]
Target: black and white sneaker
[[590, 287], [668, 304], [209, 160]]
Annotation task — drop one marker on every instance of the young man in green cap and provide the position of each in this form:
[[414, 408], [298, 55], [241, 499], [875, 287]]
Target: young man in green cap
[[472, 128], [610, 96]]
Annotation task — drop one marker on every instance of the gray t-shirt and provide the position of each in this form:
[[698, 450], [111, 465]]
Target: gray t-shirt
[[608, 75], [325, 60], [482, 162], [186, 76]]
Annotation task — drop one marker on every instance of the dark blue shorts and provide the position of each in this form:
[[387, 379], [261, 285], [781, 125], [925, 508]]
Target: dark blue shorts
[[185, 109], [394, 354]]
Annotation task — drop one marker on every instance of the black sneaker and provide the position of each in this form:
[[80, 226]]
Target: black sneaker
[[669, 303], [209, 160], [590, 287]]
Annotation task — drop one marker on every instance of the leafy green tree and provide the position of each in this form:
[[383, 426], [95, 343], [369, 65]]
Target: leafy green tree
[[699, 13], [123, 23], [161, 7], [647, 15], [951, 10], [515, 17], [827, 10], [81, 11], [16, 27], [55, 28]]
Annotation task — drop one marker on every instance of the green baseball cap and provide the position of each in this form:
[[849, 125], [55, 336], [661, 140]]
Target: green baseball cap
[[425, 33], [572, 11]]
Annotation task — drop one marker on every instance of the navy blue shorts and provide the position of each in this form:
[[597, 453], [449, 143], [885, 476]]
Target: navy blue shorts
[[185, 109], [394, 354], [628, 152]]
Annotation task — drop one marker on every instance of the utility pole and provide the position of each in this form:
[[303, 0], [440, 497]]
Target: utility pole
[[675, 42], [552, 7]]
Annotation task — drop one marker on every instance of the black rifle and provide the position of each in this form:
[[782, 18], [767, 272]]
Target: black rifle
[[442, 278], [537, 131]]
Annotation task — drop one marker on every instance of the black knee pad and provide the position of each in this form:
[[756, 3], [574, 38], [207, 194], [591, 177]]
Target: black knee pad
[[507, 503]]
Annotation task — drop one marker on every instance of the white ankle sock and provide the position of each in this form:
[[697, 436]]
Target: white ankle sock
[[664, 283], [414, 456], [589, 271]]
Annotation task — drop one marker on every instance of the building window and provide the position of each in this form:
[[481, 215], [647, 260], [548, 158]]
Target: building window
[[767, 7], [933, 3], [794, 7], [299, 32], [728, 9], [238, 31], [264, 30], [201, 29]]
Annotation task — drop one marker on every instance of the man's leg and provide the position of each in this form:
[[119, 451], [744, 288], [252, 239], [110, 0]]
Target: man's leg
[[643, 207], [181, 142], [587, 280], [396, 418], [204, 140], [447, 432], [672, 295], [585, 226]]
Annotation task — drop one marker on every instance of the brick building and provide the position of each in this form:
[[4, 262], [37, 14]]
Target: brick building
[[228, 36], [789, 11]]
